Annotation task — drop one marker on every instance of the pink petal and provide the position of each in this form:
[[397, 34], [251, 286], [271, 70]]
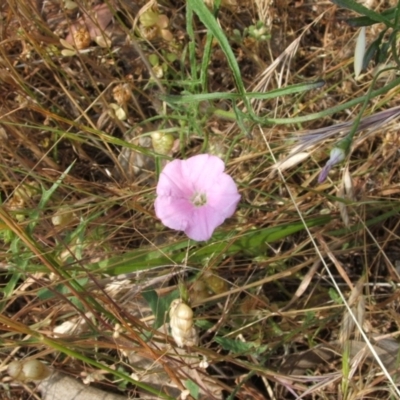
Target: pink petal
[[175, 213], [180, 180], [203, 223], [172, 182], [185, 177], [224, 196], [202, 170]]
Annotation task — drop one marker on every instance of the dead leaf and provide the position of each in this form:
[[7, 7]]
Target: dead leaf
[[386, 349], [62, 387], [95, 23], [291, 161]]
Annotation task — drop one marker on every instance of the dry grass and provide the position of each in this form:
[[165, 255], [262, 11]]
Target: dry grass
[[287, 293]]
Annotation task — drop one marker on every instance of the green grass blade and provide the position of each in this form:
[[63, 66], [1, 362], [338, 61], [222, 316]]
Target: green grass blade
[[360, 9], [293, 89], [332, 110], [210, 22], [250, 243], [48, 193]]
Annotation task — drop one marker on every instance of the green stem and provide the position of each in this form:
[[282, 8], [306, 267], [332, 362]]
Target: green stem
[[311, 117]]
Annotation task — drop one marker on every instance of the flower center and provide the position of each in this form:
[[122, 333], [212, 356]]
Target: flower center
[[199, 199]]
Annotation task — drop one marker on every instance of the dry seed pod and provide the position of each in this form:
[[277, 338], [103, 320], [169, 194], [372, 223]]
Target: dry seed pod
[[166, 35], [30, 370], [81, 37], [122, 93], [21, 197], [215, 283], [158, 71], [103, 41], [181, 322], [118, 111], [70, 5], [149, 18], [162, 142], [63, 216], [149, 33], [198, 292]]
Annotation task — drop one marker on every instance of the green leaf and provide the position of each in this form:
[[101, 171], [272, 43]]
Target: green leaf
[[159, 305], [154, 303], [46, 293], [366, 21], [239, 347], [8, 290], [335, 296], [383, 53], [253, 242], [358, 22], [373, 49], [360, 9], [193, 388], [48, 193]]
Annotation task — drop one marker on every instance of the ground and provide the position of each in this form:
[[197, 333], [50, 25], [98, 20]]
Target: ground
[[294, 296]]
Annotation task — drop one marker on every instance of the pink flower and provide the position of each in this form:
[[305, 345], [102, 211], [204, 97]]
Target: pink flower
[[195, 196]]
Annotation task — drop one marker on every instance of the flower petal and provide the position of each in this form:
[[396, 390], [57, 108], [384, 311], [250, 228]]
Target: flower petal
[[172, 182], [175, 213], [204, 221], [202, 170], [224, 196], [337, 155]]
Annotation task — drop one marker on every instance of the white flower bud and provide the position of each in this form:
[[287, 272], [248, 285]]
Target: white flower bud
[[181, 322]]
